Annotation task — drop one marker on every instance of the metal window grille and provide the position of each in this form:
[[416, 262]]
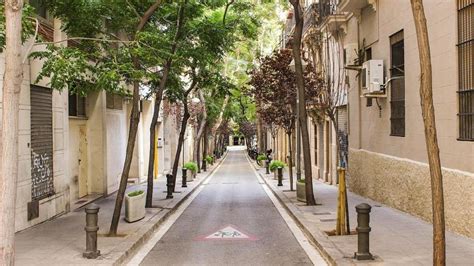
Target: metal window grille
[[114, 101], [77, 105], [397, 100], [466, 69], [315, 144]]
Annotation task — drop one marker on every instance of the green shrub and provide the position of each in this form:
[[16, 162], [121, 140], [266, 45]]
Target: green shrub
[[261, 157], [209, 159], [191, 166], [275, 164], [135, 193], [301, 181]]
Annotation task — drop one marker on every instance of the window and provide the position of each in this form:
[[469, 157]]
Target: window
[[466, 69], [315, 144], [397, 70], [114, 101], [368, 56], [77, 105], [40, 8]]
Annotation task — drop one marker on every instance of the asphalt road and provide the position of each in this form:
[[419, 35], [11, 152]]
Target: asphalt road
[[232, 221]]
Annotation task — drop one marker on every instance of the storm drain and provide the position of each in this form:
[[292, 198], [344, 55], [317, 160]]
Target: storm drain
[[321, 213], [328, 220]]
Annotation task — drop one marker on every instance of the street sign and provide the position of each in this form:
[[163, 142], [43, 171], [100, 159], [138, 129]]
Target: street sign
[[229, 232]]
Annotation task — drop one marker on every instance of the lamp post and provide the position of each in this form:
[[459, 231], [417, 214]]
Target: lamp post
[[298, 135]]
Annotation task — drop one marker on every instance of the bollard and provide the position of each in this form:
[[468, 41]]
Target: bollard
[[267, 168], [169, 185], [363, 230], [204, 163], [91, 232], [185, 172], [280, 176]]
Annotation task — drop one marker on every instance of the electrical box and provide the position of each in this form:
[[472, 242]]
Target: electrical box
[[372, 76]]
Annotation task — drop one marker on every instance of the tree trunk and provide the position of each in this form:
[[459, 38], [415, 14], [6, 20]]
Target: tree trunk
[[9, 132], [182, 131], [302, 102], [428, 113], [198, 158], [200, 131], [290, 159], [156, 109], [134, 120], [132, 134], [204, 148]]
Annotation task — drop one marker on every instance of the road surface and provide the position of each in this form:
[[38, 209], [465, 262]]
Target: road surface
[[232, 220]]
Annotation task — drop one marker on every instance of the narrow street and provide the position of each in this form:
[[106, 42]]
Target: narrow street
[[230, 221]]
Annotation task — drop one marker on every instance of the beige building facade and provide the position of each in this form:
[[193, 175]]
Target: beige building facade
[[385, 145], [387, 152]]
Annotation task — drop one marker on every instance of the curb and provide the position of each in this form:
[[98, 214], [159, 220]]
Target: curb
[[140, 237], [318, 239]]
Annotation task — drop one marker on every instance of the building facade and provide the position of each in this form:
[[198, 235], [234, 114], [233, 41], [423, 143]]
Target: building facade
[[369, 48]]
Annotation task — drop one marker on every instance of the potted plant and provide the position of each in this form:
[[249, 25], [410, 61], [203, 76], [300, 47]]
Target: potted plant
[[301, 190], [260, 158], [209, 160], [134, 206], [192, 170], [274, 165]]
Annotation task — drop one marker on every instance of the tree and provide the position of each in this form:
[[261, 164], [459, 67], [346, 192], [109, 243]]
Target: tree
[[429, 122], [156, 107], [9, 128], [303, 125], [104, 61], [273, 87]]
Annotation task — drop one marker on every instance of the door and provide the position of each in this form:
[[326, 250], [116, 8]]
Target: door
[[83, 162]]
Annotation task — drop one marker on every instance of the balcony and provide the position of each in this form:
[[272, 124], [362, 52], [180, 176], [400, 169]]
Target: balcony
[[354, 6]]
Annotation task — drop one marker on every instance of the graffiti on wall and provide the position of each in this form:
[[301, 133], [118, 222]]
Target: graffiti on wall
[[41, 175]]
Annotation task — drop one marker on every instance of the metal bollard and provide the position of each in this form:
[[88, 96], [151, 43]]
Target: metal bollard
[[91, 232], [169, 185], [280, 176], [204, 163], [267, 167], [363, 230], [185, 172]]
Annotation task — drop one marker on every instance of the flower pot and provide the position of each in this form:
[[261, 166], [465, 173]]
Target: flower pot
[[190, 176], [301, 191], [134, 207]]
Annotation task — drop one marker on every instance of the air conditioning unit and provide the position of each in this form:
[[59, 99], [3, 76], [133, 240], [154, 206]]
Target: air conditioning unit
[[372, 76]]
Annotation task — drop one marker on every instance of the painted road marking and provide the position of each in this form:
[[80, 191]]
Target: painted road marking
[[313, 254], [229, 232], [143, 252]]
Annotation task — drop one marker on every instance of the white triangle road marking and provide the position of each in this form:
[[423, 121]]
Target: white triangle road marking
[[228, 232]]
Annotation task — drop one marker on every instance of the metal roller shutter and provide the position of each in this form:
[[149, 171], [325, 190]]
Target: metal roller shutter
[[41, 143]]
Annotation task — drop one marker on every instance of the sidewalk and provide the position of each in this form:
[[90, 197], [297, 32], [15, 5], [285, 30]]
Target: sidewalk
[[61, 241], [397, 238]]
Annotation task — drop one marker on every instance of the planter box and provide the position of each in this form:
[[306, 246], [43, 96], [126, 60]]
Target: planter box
[[190, 176], [135, 207], [300, 191]]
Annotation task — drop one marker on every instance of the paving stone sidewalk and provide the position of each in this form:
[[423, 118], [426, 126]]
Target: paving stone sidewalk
[[397, 238], [61, 241]]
